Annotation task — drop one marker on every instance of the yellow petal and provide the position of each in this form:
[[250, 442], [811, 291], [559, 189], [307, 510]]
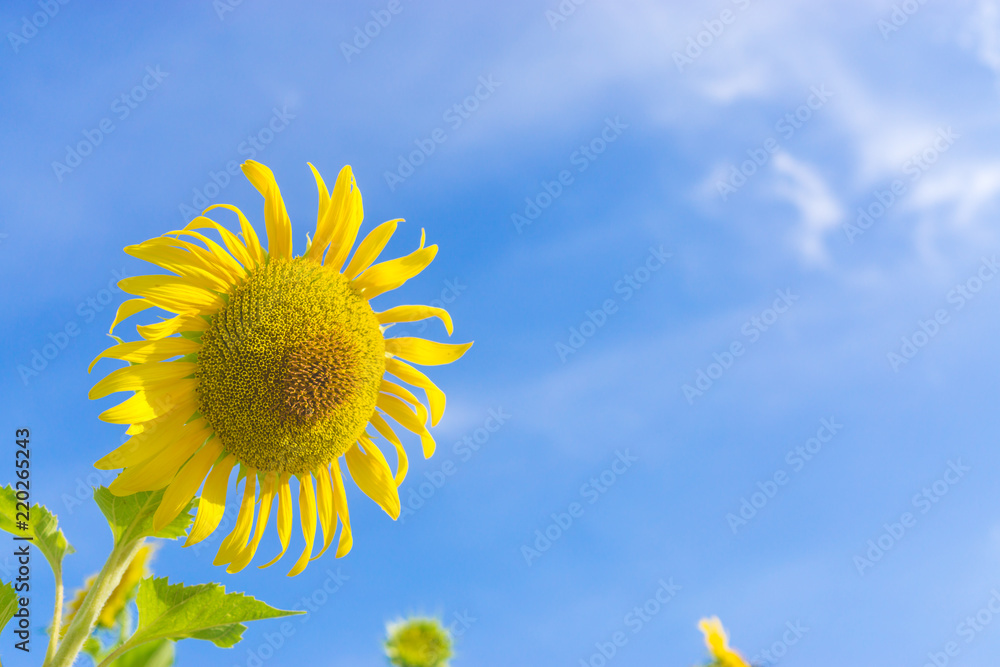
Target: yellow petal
[[237, 539], [142, 377], [181, 262], [215, 261], [182, 489], [370, 471], [178, 324], [324, 195], [250, 239], [128, 309], [307, 515], [173, 293], [407, 373], [219, 256], [340, 504], [284, 518], [389, 275], [370, 248], [399, 411], [324, 506], [279, 228], [142, 351], [403, 464], [414, 314], [150, 404], [155, 436], [160, 470], [425, 352], [339, 227], [212, 504], [233, 243], [263, 515]]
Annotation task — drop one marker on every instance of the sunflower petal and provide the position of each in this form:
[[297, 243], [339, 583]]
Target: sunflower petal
[[399, 411], [141, 377], [155, 473], [425, 352], [325, 508], [127, 309], [237, 539], [370, 471], [143, 350], [172, 326], [370, 248], [382, 426], [324, 195], [263, 515], [173, 293], [414, 314], [150, 404], [279, 228], [407, 373], [389, 275], [340, 503], [233, 244], [181, 262], [182, 489], [212, 503], [217, 253], [154, 437], [339, 227], [284, 518], [307, 515], [250, 239]]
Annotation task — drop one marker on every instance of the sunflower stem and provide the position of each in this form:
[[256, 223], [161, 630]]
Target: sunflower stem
[[57, 613], [90, 609]]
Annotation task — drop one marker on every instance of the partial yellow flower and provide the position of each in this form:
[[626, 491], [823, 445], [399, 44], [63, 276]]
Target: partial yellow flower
[[275, 363], [137, 570], [418, 642], [718, 643]]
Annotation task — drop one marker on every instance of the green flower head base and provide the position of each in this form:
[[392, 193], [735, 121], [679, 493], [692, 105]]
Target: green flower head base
[[418, 642]]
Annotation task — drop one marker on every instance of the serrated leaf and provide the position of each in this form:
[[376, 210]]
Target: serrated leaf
[[153, 654], [131, 517], [204, 611], [43, 528], [8, 604]]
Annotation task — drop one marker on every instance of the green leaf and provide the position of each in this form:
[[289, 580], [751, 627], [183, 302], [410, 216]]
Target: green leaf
[[131, 517], [8, 603], [43, 528], [154, 654], [204, 611]]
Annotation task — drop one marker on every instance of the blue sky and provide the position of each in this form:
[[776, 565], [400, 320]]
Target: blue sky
[[740, 138]]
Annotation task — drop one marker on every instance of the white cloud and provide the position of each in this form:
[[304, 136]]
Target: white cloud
[[818, 208]]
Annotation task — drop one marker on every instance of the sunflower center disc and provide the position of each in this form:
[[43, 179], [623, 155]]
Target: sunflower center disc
[[290, 368]]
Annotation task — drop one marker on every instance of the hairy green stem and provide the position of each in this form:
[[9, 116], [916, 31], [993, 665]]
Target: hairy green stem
[[90, 609], [57, 613]]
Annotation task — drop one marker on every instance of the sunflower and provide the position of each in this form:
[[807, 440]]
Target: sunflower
[[274, 365], [418, 642], [718, 644]]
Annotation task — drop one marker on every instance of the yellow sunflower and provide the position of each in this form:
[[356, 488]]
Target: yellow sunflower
[[273, 362], [718, 643]]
